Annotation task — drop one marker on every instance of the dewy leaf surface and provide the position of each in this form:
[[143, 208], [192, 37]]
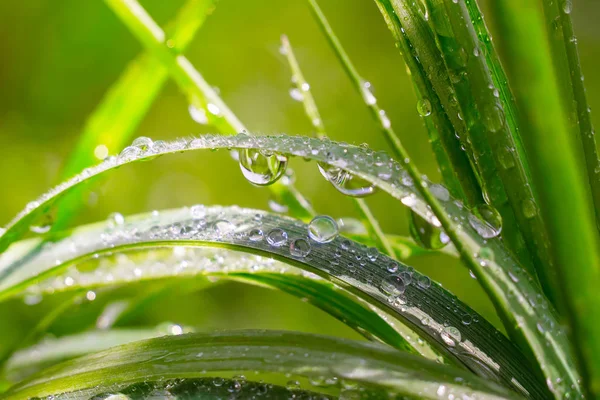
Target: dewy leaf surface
[[424, 306], [276, 357]]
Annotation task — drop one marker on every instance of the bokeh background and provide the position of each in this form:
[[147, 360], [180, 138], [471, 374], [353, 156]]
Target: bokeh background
[[60, 57]]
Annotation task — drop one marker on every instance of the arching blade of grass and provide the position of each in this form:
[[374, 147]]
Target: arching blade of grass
[[199, 93], [276, 356], [116, 118], [559, 177], [526, 314], [51, 351], [312, 112], [453, 163], [406, 295]]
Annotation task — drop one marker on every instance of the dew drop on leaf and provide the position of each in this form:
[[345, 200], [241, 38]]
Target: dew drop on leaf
[[129, 153], [223, 227], [114, 220], [262, 169], [296, 94], [486, 220], [393, 285], [143, 143], [277, 237], [323, 229], [198, 114], [255, 235], [529, 208], [300, 248], [345, 182], [424, 107], [198, 211], [425, 234]]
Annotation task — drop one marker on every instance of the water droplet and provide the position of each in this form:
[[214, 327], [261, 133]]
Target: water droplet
[[296, 94], [213, 109], [424, 107], [129, 153], [300, 248], [143, 143], [372, 253], [506, 157], [255, 235], [222, 227], [114, 220], [262, 169], [425, 234], [198, 211], [90, 295], [393, 285], [367, 94], [198, 114], [567, 6], [486, 221], [277, 237], [345, 182], [493, 117], [529, 208], [424, 282], [450, 335], [440, 192], [323, 229]]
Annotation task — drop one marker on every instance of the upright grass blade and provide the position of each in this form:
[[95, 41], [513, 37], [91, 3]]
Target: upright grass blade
[[558, 18], [312, 112], [558, 177], [200, 94], [276, 356], [453, 162], [527, 316], [116, 118]]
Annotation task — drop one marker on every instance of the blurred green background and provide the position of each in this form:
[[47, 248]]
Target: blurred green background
[[60, 57]]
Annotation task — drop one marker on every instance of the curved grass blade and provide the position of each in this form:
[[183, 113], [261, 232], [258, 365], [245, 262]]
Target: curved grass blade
[[51, 351], [116, 118], [423, 306], [189, 270], [564, 202], [275, 355], [199, 93], [526, 313], [312, 112]]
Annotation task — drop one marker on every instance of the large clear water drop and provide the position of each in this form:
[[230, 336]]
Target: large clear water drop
[[425, 234], [323, 229], [345, 182], [486, 220], [261, 168]]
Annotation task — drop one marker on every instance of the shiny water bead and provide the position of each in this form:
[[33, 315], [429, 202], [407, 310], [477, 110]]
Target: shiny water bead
[[222, 227], [372, 253], [487, 221], [440, 192], [114, 220], [300, 248], [198, 115], [393, 285], [143, 143], [277, 237], [450, 335], [198, 211], [424, 107], [129, 153], [262, 168], [296, 94], [529, 208], [323, 229], [345, 182], [255, 235], [425, 234]]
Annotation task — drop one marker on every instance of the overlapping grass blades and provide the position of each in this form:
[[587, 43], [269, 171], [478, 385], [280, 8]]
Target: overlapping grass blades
[[278, 357]]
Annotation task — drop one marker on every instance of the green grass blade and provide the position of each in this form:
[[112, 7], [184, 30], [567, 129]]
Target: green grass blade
[[454, 160], [421, 304], [276, 356], [116, 118], [312, 112], [491, 127], [199, 93], [526, 314], [51, 351], [564, 202]]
